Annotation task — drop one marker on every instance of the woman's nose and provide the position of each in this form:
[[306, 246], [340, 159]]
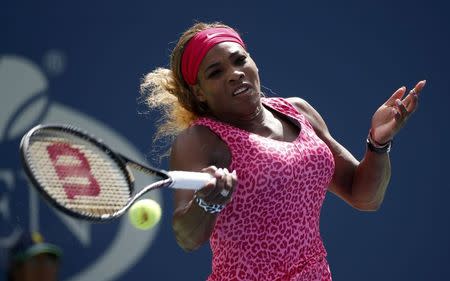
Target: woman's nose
[[236, 75]]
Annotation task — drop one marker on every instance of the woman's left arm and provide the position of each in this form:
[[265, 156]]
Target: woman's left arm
[[363, 184]]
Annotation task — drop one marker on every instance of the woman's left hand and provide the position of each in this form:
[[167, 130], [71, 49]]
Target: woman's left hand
[[393, 114]]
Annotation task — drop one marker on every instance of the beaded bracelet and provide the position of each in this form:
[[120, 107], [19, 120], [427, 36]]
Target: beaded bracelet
[[211, 209]]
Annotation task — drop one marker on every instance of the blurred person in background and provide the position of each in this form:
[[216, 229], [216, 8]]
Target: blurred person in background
[[31, 259]]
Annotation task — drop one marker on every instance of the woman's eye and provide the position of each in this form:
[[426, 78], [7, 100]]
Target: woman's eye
[[214, 73], [241, 60]]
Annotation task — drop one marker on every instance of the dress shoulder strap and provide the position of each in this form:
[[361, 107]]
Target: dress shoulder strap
[[285, 107]]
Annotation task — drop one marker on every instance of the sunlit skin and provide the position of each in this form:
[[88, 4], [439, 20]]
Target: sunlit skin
[[226, 67], [393, 114], [42, 267]]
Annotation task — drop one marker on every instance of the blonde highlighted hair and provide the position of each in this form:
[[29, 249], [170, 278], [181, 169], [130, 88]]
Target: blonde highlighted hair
[[165, 89]]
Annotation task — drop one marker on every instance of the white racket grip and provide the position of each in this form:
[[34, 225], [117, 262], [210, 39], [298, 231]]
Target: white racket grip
[[189, 180]]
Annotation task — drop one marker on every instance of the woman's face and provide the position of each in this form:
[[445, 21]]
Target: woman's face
[[228, 82]]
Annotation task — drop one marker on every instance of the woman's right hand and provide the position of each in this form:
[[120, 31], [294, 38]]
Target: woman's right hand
[[218, 190]]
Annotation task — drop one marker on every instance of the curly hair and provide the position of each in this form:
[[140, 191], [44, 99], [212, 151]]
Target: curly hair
[[165, 89]]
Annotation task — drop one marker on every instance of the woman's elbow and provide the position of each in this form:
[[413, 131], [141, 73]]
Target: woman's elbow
[[184, 240], [187, 246], [367, 206]]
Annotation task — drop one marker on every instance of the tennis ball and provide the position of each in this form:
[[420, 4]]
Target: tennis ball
[[144, 214]]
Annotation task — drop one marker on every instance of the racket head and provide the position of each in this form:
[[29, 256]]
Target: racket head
[[76, 172]]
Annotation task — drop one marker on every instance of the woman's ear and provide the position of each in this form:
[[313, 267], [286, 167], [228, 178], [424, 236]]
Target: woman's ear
[[198, 93]]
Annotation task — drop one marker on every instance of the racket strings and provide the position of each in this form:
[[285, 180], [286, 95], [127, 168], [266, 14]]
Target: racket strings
[[77, 174]]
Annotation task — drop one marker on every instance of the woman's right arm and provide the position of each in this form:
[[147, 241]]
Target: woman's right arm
[[193, 150]]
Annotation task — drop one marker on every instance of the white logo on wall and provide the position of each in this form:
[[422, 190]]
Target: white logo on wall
[[24, 103]]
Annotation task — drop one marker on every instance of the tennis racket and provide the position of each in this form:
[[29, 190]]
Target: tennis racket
[[84, 178]]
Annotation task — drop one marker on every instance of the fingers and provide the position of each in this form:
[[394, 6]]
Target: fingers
[[402, 90], [220, 189], [397, 95], [411, 100], [409, 104], [419, 86], [211, 170], [402, 112], [394, 113], [214, 195], [229, 180], [224, 188], [209, 187]]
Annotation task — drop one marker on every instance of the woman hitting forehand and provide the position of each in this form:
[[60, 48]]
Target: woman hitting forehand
[[273, 160]]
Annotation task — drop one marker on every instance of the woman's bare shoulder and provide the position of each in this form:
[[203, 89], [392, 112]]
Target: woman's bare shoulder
[[310, 113], [195, 148]]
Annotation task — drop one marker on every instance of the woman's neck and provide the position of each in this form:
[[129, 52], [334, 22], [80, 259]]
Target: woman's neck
[[258, 122]]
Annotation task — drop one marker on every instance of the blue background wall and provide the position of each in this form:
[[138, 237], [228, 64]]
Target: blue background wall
[[344, 57]]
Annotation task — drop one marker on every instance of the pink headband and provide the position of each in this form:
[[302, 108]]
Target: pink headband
[[199, 45]]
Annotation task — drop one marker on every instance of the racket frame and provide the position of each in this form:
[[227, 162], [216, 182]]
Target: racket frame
[[119, 159]]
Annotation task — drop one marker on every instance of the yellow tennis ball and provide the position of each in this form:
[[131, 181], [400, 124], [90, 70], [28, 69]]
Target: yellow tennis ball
[[144, 214]]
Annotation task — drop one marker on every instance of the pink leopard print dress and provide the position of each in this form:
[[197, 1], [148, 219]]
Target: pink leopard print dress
[[270, 230]]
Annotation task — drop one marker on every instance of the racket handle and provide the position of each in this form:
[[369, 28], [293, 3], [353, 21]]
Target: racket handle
[[189, 180]]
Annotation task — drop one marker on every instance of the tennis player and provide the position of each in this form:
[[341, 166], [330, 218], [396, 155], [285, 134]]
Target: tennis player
[[273, 160]]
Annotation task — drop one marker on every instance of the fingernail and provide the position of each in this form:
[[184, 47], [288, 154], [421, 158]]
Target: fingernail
[[398, 102], [234, 172], [219, 172]]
